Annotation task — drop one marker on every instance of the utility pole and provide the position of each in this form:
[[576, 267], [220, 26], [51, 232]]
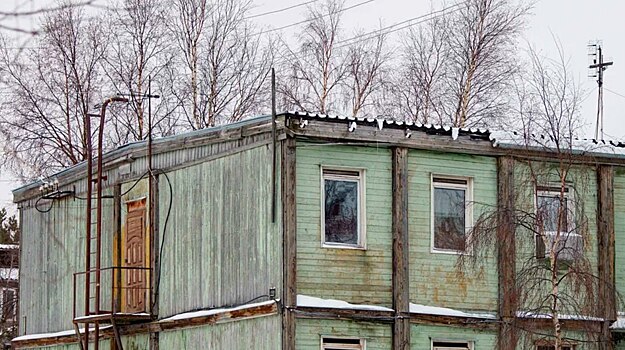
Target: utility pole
[[597, 67]]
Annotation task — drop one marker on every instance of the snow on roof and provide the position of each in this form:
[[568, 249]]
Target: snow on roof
[[513, 139], [308, 301], [529, 314], [9, 273], [619, 324], [53, 335], [209, 312], [9, 246], [443, 311]]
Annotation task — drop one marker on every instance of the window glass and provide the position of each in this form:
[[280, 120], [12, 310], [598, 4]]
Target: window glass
[[449, 218], [341, 211], [549, 209]]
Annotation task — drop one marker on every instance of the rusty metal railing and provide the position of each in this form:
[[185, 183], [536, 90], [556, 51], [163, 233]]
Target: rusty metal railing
[[116, 287]]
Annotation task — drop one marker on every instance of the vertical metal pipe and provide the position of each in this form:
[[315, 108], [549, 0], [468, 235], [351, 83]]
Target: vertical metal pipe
[[89, 155], [273, 148], [99, 212]]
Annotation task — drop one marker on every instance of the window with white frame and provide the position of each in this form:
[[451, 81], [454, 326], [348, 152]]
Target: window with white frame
[[451, 213], [555, 216], [343, 209], [452, 345], [328, 343]]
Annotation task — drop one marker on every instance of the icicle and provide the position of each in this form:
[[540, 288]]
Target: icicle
[[352, 126], [380, 123], [454, 133]]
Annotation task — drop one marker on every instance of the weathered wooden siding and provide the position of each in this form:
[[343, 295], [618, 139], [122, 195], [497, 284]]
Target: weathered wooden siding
[[220, 246], [354, 275], [309, 333], [104, 344], [421, 336], [435, 278], [619, 232], [53, 247], [136, 342], [251, 334]]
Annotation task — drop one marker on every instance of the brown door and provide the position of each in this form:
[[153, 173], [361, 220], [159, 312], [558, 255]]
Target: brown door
[[135, 281]]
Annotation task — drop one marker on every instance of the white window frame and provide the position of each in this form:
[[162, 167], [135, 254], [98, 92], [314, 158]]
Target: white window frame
[[468, 209], [360, 179], [554, 190], [469, 343], [362, 344]]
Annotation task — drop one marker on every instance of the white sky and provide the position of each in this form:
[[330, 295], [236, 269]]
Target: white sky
[[574, 23]]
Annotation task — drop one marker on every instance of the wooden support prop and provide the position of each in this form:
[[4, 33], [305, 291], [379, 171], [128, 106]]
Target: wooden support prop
[[401, 304], [605, 241], [290, 243], [506, 256]]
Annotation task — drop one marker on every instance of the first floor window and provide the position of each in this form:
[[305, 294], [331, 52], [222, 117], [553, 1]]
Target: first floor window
[[342, 208], [452, 345], [552, 347], [450, 213], [8, 304], [342, 343]]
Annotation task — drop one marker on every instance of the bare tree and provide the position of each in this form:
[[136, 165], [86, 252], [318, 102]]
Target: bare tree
[[317, 70], [419, 86], [366, 62], [139, 51], [554, 278], [226, 61], [51, 89], [470, 52]]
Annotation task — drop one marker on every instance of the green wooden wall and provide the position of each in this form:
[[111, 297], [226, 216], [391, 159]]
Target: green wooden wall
[[308, 333], [220, 246], [421, 336], [435, 278], [251, 334], [353, 275]]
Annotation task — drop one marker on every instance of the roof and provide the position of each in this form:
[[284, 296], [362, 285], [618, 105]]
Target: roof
[[499, 140]]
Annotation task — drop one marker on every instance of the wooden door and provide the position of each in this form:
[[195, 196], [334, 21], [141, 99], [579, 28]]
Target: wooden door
[[135, 281]]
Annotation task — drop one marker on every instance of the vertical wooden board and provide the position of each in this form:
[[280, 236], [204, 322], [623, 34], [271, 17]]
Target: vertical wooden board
[[353, 275], [136, 342], [257, 333], [217, 234], [422, 336], [310, 331], [434, 277], [619, 231]]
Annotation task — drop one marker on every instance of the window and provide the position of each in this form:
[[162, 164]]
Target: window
[[452, 345], [342, 343], [343, 209], [555, 218], [451, 214], [8, 304], [552, 347]]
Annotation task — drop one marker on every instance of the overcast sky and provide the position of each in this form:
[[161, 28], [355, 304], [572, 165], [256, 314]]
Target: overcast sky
[[573, 22]]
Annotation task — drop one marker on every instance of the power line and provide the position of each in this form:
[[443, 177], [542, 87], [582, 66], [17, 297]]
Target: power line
[[312, 19], [280, 10], [614, 92]]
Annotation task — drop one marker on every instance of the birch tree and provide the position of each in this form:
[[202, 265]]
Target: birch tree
[[554, 277], [462, 63], [51, 88], [226, 62]]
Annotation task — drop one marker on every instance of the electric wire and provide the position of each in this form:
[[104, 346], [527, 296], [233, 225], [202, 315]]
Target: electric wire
[[280, 10], [160, 254]]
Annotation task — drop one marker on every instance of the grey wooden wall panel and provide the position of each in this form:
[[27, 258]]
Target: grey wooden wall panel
[[221, 247]]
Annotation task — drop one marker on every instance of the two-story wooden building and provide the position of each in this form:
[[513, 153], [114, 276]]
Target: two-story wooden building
[[322, 232]]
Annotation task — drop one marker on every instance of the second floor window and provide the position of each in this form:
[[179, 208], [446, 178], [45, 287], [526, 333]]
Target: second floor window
[[343, 210], [342, 343], [556, 219], [450, 213]]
